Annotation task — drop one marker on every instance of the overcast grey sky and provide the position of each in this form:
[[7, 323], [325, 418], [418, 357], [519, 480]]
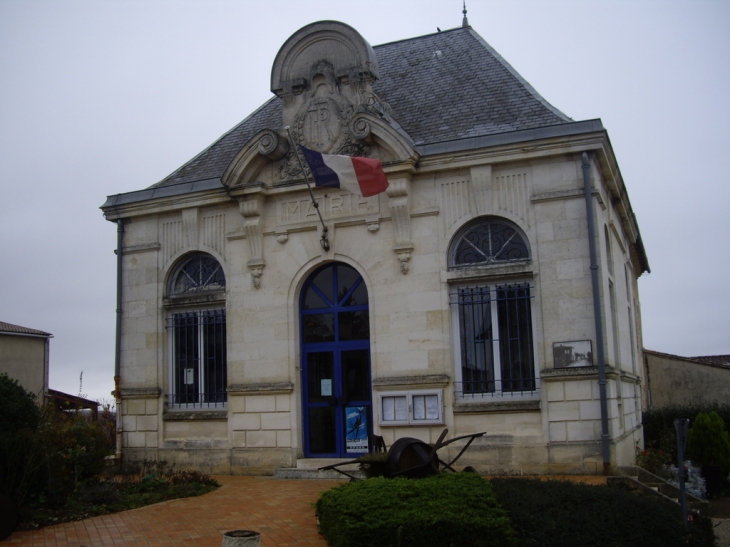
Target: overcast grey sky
[[100, 97]]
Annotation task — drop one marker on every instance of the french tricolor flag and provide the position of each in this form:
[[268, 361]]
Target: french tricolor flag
[[361, 176]]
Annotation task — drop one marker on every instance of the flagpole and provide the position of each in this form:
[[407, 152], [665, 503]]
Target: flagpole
[[324, 241]]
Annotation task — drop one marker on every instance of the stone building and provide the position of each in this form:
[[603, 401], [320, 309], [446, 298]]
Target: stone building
[[460, 298]]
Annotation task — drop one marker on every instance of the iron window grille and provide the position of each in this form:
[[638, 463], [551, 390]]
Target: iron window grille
[[496, 351], [199, 374]]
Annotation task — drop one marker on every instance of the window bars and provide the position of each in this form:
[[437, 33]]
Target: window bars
[[495, 339], [199, 374]]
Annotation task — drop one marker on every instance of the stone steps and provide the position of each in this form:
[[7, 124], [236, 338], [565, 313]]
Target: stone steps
[[645, 483], [310, 469]]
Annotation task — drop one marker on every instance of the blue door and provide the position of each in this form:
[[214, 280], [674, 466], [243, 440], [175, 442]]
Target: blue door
[[335, 335]]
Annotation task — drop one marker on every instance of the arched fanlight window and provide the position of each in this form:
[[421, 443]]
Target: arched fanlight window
[[488, 241], [199, 273]]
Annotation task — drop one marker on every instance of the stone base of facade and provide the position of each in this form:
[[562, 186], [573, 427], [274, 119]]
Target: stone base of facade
[[571, 458], [218, 461]]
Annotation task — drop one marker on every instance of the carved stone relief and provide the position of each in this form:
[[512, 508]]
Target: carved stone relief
[[251, 210], [323, 76], [400, 210], [333, 204]]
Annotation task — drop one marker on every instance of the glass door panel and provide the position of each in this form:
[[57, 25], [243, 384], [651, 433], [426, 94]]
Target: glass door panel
[[320, 376], [356, 375], [322, 437]]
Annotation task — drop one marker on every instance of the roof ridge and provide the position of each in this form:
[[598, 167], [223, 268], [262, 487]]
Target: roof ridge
[[420, 36], [519, 77]]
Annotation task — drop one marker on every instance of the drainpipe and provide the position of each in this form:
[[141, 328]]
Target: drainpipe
[[118, 348], [597, 314]]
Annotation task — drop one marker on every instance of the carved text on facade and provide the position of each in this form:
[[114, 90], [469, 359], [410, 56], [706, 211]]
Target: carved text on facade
[[330, 205]]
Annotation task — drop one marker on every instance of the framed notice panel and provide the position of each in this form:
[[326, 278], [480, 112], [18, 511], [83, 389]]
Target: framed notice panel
[[411, 407], [573, 354]]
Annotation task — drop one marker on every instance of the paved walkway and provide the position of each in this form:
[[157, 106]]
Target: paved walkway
[[278, 508], [281, 509]]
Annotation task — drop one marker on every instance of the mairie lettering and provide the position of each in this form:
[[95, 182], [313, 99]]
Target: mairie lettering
[[331, 205]]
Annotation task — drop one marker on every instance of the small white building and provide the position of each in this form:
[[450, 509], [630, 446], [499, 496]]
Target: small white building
[[24, 357], [460, 298]]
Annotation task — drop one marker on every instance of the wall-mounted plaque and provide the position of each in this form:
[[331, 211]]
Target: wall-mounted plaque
[[573, 354]]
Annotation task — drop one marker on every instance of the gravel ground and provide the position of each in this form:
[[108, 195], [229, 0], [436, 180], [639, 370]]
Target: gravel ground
[[722, 532]]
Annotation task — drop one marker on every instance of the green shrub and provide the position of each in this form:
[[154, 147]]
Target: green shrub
[[444, 510], [99, 495], [708, 442], [22, 464], [22, 450], [76, 449], [655, 460], [45, 452], [567, 514], [18, 408], [659, 429]]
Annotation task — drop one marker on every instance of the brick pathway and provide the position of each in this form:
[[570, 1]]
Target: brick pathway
[[280, 509]]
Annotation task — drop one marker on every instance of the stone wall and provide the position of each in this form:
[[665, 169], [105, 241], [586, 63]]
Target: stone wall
[[412, 325], [673, 380]]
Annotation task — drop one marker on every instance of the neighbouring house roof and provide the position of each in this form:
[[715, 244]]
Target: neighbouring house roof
[[8, 328], [723, 360], [440, 87], [66, 401], [715, 360]]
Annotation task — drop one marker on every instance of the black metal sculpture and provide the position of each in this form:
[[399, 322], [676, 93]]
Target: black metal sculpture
[[412, 458]]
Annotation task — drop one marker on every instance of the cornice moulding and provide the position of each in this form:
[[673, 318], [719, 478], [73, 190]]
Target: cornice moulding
[[394, 382], [266, 388], [140, 392]]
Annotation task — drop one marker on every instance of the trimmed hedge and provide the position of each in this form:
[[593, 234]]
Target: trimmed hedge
[[566, 514], [446, 510], [659, 432]]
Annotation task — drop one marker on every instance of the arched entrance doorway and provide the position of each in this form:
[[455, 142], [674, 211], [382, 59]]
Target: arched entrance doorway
[[335, 335]]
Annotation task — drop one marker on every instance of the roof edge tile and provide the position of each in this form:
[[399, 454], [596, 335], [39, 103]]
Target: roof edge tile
[[8, 328]]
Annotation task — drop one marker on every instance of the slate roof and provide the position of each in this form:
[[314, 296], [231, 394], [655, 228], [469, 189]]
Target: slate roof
[[440, 87], [723, 360], [7, 328]]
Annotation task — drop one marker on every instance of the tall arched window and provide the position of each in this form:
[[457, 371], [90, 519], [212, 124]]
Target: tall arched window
[[494, 318], [199, 374]]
